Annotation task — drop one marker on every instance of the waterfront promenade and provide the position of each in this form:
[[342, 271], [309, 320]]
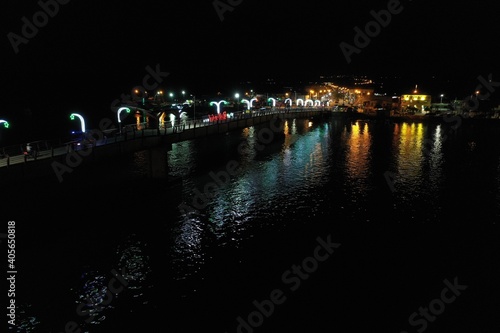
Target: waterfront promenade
[[179, 131], [132, 138]]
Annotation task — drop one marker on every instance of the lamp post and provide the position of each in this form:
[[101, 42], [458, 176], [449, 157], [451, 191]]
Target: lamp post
[[247, 102], [5, 123], [273, 100], [118, 115], [218, 104], [441, 98], [237, 98], [251, 101], [194, 107], [82, 121], [158, 96]]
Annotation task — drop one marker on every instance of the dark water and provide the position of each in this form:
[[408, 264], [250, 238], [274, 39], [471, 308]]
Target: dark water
[[403, 206]]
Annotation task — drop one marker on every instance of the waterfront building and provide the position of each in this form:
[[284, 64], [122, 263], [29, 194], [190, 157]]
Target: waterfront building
[[416, 102], [380, 104]]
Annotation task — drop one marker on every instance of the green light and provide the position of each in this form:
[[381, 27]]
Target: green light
[[6, 125], [120, 110], [82, 121]]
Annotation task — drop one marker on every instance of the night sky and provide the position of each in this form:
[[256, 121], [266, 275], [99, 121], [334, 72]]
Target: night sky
[[89, 53]]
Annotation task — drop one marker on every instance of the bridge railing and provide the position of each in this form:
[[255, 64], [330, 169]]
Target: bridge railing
[[51, 148]]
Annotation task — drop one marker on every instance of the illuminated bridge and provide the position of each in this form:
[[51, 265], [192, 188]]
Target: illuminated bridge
[[15, 162]]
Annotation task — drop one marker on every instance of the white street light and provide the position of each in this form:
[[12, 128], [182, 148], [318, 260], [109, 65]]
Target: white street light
[[273, 100], [194, 106], [5, 123], [247, 102], [118, 115], [441, 98], [218, 104], [237, 97], [82, 121]]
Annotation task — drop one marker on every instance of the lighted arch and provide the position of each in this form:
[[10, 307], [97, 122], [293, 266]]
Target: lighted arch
[[5, 123], [299, 101], [218, 104], [82, 121], [120, 110], [288, 100], [317, 102], [252, 100], [247, 102], [308, 101], [273, 100]]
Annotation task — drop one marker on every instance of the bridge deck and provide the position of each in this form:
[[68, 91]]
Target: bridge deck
[[178, 132]]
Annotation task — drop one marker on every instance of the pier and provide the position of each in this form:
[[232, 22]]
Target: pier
[[61, 157]]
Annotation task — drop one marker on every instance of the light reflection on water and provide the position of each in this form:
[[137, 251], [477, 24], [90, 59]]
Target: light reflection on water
[[333, 166], [269, 186], [275, 188], [99, 291], [26, 321]]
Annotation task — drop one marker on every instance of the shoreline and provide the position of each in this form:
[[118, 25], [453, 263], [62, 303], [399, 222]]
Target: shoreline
[[419, 118]]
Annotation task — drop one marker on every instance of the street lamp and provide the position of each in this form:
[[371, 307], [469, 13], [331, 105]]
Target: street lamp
[[171, 96], [247, 102], [237, 97], [272, 100], [183, 92], [119, 119], [158, 96], [194, 106], [82, 121], [218, 104], [5, 123], [441, 98], [141, 93]]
